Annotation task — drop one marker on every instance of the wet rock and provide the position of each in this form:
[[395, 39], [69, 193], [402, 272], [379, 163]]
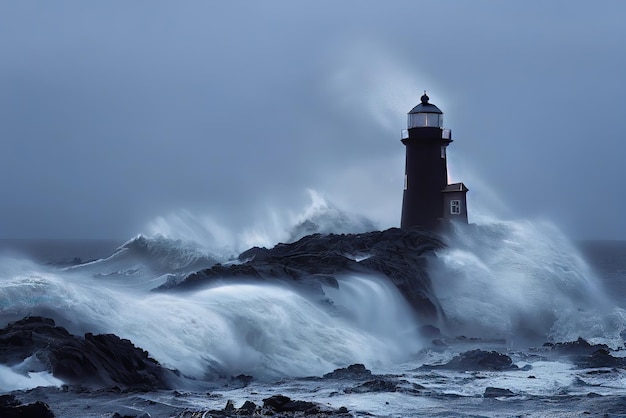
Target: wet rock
[[316, 260], [477, 360], [247, 408], [274, 406], [586, 355], [491, 392], [578, 347], [377, 385], [10, 407], [280, 403], [599, 358], [240, 381], [93, 360], [352, 372], [230, 406]]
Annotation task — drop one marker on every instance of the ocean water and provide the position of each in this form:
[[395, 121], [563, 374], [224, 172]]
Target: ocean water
[[504, 285]]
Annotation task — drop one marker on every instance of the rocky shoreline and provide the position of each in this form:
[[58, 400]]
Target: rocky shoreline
[[103, 374], [106, 366]]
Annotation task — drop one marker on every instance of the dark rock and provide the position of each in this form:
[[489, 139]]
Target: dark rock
[[599, 358], [586, 355], [492, 392], [8, 401], [93, 360], [10, 407], [378, 385], [578, 347], [230, 406], [352, 372], [316, 260], [280, 403], [275, 402], [242, 380], [477, 360], [247, 408]]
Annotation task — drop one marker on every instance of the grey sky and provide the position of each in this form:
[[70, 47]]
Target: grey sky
[[114, 113]]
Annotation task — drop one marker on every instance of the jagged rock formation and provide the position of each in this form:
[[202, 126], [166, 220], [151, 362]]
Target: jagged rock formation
[[11, 407], [352, 372], [274, 406], [401, 255], [586, 355], [93, 360], [474, 360], [491, 392]]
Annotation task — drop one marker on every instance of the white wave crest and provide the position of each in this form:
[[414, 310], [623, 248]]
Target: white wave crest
[[521, 279], [284, 225]]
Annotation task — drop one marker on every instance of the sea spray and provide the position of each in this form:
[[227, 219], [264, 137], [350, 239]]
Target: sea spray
[[521, 280], [264, 330], [13, 379], [274, 226]]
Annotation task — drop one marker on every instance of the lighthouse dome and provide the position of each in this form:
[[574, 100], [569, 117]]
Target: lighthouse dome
[[425, 115]]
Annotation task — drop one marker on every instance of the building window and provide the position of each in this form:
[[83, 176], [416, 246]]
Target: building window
[[443, 152], [455, 207]]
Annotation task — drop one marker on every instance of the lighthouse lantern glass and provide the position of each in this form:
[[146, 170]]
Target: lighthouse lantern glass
[[421, 120]]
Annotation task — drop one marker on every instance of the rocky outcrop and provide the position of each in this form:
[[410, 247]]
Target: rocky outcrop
[[578, 347], [274, 406], [586, 355], [374, 386], [316, 260], [10, 407], [93, 360], [352, 372], [477, 360], [491, 392]]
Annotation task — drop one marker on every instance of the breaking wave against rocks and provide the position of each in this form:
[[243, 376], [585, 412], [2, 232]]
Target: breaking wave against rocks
[[516, 281], [522, 281]]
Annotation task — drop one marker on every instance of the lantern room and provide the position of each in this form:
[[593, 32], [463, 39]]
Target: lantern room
[[425, 115]]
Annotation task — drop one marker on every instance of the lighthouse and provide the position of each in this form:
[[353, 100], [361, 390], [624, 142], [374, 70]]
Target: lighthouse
[[428, 199]]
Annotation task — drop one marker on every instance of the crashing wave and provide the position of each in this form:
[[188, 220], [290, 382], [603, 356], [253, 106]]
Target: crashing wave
[[166, 255], [522, 280], [323, 217], [145, 263]]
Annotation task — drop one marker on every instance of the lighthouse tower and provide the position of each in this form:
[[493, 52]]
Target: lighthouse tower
[[427, 196]]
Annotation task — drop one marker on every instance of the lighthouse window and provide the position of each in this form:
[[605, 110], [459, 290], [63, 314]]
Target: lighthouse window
[[421, 120], [455, 207], [443, 152], [417, 120]]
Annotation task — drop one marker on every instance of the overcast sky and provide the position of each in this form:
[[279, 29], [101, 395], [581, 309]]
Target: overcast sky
[[115, 113]]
